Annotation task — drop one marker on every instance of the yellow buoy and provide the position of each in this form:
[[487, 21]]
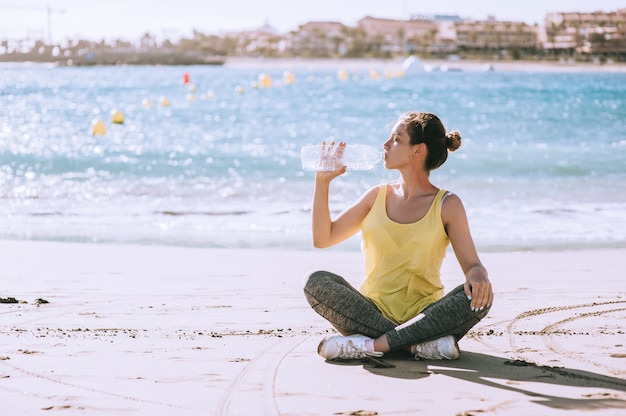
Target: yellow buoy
[[265, 80], [164, 101], [146, 102], [342, 75], [239, 89], [98, 127], [374, 74], [288, 77], [117, 116]]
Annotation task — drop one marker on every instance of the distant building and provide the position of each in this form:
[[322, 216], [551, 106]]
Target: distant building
[[399, 36], [493, 34], [264, 41], [445, 42], [586, 33], [321, 39], [438, 17]]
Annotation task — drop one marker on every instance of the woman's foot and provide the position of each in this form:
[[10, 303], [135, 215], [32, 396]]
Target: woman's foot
[[351, 347], [444, 348]]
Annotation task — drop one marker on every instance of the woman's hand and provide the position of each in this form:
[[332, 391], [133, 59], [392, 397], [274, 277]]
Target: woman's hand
[[331, 158], [478, 289]]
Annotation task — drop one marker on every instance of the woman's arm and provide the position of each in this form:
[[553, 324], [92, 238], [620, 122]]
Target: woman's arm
[[328, 232], [477, 284]]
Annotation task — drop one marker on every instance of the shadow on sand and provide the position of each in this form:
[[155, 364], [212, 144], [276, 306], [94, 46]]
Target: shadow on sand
[[482, 368]]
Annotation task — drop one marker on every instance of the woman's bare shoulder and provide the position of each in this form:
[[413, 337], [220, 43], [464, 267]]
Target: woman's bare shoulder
[[451, 206], [370, 195]]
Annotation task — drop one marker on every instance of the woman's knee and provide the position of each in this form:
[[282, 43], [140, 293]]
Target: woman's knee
[[314, 280], [315, 287]]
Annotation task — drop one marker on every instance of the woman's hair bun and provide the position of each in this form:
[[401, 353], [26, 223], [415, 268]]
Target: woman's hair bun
[[453, 140]]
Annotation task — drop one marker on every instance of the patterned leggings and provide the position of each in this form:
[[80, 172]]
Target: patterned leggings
[[350, 312]]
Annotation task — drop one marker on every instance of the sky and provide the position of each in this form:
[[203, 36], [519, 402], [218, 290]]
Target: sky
[[131, 19]]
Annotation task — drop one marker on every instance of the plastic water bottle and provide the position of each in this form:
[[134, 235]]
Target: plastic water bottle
[[355, 157]]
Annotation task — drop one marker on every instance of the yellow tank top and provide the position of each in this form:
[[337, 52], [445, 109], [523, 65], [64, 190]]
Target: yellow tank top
[[403, 261]]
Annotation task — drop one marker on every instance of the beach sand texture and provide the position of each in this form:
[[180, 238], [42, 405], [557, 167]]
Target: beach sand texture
[[153, 330]]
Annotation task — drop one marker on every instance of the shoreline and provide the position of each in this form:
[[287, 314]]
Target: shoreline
[[352, 245], [396, 63], [391, 64]]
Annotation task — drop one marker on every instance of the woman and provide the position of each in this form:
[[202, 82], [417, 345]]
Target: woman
[[406, 227]]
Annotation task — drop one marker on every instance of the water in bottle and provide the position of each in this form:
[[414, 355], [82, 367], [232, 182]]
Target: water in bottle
[[325, 158]]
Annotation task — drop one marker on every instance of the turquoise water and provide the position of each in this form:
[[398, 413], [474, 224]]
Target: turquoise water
[[542, 165]]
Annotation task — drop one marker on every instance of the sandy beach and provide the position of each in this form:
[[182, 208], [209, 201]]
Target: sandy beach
[[154, 330]]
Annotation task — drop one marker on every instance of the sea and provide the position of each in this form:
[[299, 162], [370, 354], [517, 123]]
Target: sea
[[215, 161]]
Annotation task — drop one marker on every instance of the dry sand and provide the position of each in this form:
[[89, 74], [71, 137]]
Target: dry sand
[[142, 330]]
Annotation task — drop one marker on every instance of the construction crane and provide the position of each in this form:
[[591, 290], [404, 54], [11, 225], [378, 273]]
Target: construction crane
[[49, 10]]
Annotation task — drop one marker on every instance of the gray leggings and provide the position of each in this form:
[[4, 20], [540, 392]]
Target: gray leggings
[[350, 312]]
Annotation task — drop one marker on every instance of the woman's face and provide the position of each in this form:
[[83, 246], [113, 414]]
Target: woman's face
[[398, 148]]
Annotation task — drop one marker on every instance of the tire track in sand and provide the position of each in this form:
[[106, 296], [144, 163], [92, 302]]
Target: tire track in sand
[[254, 386]]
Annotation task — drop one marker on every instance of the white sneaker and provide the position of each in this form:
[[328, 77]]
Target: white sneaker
[[445, 348], [341, 347]]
